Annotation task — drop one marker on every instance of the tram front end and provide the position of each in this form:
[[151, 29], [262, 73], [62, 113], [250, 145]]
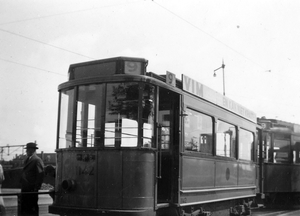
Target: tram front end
[[108, 182]]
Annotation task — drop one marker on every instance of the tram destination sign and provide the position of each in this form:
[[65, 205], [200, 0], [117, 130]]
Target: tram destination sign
[[198, 89]]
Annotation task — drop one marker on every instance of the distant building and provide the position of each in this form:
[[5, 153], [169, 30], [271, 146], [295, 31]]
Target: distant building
[[18, 161]]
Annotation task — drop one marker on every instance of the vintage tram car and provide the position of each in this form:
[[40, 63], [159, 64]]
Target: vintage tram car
[[131, 142], [279, 163]]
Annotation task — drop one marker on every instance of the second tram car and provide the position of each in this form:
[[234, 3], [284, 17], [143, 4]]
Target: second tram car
[[131, 142], [280, 162]]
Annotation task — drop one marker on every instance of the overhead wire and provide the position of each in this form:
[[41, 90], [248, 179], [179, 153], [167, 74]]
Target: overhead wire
[[218, 40], [208, 34], [47, 44], [94, 8], [221, 42], [31, 66], [65, 13], [41, 42]]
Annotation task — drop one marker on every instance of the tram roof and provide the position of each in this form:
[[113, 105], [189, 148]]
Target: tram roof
[[137, 66], [279, 125]]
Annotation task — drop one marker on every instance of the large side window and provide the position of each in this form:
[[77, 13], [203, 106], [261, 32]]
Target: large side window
[[66, 119], [226, 140], [296, 149], [198, 130], [127, 108], [281, 149], [246, 140], [88, 121], [121, 116], [164, 118], [148, 115], [267, 147]]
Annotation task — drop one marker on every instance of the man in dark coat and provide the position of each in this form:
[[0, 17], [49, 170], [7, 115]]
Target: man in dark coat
[[31, 181]]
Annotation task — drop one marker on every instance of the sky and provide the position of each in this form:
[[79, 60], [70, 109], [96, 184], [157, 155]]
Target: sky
[[257, 40]]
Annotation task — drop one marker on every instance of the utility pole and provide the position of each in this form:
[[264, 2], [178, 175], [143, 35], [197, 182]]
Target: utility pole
[[223, 66]]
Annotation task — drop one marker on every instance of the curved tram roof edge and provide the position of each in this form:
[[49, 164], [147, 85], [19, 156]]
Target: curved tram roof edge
[[189, 85]]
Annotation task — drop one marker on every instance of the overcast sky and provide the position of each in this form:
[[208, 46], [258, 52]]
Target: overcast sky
[[258, 41]]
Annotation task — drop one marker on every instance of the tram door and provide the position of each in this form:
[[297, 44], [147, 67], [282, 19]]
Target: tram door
[[168, 149]]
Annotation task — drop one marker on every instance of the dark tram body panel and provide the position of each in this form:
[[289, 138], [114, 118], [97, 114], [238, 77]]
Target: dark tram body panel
[[278, 178], [280, 166], [105, 180], [138, 172], [210, 181], [81, 171], [209, 178]]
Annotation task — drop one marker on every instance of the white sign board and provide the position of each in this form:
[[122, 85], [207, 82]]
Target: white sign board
[[202, 91]]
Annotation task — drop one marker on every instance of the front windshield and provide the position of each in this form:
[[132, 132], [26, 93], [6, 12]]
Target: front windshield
[[102, 115], [121, 119], [66, 119]]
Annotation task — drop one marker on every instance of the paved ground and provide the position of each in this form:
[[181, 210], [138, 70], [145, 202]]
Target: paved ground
[[12, 211], [45, 200]]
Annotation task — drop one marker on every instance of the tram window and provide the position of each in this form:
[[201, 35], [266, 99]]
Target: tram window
[[198, 132], [110, 134], [66, 119], [121, 116], [296, 152], [165, 119], [129, 133], [281, 149], [164, 133], [148, 115], [84, 125], [246, 140], [147, 135], [267, 147], [226, 140], [88, 124]]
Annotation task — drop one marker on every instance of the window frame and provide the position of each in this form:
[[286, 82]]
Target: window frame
[[102, 115], [234, 157], [252, 147], [284, 137], [212, 147]]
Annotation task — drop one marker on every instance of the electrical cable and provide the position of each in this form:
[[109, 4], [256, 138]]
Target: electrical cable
[[216, 39], [31, 66], [41, 42], [61, 14]]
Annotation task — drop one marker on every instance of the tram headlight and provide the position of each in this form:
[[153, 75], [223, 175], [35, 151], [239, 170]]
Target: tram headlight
[[68, 185]]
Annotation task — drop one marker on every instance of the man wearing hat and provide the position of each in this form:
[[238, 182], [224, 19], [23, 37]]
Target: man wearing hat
[[31, 180]]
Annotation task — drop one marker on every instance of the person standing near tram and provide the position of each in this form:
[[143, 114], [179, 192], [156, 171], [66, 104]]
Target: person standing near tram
[[31, 181]]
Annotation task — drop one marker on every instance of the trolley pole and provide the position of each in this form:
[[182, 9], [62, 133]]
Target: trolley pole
[[223, 66]]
